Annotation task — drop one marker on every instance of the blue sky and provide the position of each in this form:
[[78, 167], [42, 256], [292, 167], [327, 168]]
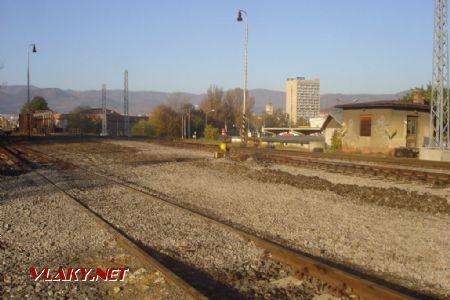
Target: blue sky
[[353, 46]]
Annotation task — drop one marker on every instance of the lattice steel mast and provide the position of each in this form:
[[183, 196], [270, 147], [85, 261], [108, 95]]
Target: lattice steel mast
[[104, 121], [126, 125], [439, 108]]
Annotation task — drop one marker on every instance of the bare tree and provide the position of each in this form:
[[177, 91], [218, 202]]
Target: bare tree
[[212, 104], [177, 101], [213, 99], [233, 103]]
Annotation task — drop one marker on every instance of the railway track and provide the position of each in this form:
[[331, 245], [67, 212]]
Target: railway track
[[345, 280], [395, 169], [25, 164]]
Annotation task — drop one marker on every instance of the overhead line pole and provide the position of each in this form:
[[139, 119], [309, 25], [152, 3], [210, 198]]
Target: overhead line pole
[[126, 125], [439, 106]]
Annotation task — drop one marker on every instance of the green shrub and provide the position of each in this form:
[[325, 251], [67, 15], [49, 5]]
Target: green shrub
[[142, 128], [211, 133], [336, 141]]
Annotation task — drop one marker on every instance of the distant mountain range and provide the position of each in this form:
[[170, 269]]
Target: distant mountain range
[[12, 97]]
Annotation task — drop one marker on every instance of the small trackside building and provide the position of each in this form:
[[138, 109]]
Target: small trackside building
[[382, 126]]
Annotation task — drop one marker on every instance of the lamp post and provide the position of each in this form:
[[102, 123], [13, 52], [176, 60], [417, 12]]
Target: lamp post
[[189, 124], [206, 117], [28, 85], [186, 129], [244, 120]]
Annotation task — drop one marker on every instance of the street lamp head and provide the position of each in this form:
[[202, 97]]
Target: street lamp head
[[34, 48], [239, 18]]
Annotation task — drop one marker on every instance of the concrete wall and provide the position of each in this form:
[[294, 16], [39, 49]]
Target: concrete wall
[[434, 154], [329, 131], [382, 119], [423, 128]]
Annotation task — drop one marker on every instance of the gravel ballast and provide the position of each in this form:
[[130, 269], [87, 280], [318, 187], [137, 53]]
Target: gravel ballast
[[404, 244], [39, 227], [219, 263]]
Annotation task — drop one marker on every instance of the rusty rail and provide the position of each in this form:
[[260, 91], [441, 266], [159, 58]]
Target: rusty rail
[[126, 243], [401, 173], [436, 178], [344, 279]]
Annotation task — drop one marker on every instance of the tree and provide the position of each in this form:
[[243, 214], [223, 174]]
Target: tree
[[336, 140], [165, 121], [277, 119], [227, 107], [197, 120], [177, 101], [303, 121], [213, 101], [142, 128], [211, 133], [37, 103], [233, 105]]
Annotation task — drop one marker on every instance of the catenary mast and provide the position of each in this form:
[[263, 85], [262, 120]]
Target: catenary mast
[[126, 125], [439, 108], [104, 121]]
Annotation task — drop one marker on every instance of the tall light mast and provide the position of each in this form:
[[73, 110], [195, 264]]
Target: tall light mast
[[104, 121], [439, 107], [126, 125]]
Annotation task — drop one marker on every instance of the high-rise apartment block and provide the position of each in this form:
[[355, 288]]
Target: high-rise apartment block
[[302, 99]]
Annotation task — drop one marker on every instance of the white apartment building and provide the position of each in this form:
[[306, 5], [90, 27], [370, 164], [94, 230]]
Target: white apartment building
[[302, 99]]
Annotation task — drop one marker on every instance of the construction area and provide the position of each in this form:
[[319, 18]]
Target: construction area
[[260, 224]]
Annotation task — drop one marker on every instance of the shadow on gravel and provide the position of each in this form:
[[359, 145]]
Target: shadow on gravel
[[10, 172], [20, 187], [163, 161], [199, 279]]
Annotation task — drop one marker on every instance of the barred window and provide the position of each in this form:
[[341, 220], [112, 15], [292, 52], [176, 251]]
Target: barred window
[[365, 128]]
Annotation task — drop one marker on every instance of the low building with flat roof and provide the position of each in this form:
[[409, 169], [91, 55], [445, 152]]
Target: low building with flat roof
[[381, 126]]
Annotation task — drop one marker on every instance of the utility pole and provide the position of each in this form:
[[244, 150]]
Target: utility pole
[[189, 123], [185, 124], [182, 124], [439, 108], [104, 121], [126, 125]]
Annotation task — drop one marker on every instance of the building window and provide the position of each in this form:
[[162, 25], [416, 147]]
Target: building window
[[365, 128]]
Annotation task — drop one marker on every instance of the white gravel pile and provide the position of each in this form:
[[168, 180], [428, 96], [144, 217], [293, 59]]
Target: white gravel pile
[[406, 247], [39, 228]]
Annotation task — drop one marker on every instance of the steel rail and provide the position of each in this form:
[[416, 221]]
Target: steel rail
[[341, 277], [401, 173], [377, 169], [122, 240]]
